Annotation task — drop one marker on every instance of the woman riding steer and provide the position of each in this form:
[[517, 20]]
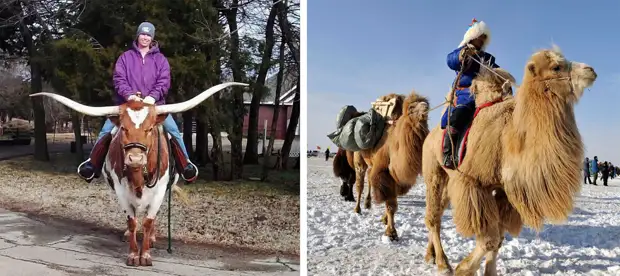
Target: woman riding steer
[[142, 71], [471, 48]]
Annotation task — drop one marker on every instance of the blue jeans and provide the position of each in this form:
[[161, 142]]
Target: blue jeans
[[169, 126]]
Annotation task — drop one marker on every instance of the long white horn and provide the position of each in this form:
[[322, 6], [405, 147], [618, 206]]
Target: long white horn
[[189, 104], [84, 109]]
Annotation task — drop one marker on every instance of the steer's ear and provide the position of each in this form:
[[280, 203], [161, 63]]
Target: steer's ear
[[114, 119], [161, 118]]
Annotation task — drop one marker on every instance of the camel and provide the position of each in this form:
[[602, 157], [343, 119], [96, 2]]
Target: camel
[[344, 169], [522, 165], [396, 160]]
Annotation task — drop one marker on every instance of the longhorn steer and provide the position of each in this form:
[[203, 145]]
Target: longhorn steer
[[137, 164]]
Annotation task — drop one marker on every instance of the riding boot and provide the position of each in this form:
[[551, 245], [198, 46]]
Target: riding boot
[[184, 167], [450, 139], [91, 168]]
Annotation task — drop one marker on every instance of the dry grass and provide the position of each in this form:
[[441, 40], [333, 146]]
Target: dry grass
[[262, 216]]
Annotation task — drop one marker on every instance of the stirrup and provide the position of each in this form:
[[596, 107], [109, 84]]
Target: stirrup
[[189, 163], [90, 178]]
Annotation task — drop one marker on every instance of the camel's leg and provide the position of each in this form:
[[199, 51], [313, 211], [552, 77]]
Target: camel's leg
[[350, 186], [391, 205], [436, 203], [368, 203], [490, 265], [147, 228], [133, 259], [360, 175], [486, 243], [468, 198]]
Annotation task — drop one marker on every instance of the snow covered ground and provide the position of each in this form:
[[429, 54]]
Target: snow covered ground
[[341, 242]]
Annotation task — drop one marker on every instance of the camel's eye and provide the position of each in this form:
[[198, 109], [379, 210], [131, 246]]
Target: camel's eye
[[557, 68]]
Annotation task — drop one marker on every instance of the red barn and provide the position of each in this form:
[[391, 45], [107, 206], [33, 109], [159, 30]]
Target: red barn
[[267, 108]]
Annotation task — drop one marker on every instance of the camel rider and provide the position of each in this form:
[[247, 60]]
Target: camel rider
[[141, 73], [472, 47]]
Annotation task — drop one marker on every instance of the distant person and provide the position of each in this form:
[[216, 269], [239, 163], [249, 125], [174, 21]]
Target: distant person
[[605, 173], [586, 171], [327, 154], [594, 168]]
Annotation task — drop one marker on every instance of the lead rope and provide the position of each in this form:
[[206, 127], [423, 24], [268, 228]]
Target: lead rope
[[171, 179], [169, 213]]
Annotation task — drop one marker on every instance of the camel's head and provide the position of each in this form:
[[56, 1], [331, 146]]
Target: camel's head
[[491, 85], [559, 76], [416, 106]]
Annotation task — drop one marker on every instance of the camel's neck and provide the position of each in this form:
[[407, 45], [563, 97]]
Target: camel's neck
[[544, 119]]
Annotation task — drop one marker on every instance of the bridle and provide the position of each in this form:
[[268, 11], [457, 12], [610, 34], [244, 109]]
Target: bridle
[[149, 183], [569, 78]]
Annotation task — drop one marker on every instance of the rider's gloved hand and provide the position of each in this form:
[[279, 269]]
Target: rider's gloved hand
[[468, 51], [149, 100], [134, 98]]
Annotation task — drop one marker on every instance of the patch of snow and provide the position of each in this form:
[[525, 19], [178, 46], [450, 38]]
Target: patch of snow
[[341, 242]]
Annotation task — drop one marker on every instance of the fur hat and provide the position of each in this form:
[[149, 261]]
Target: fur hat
[[476, 29]]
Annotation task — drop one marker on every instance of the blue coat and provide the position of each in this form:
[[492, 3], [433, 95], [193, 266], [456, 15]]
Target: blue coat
[[594, 166], [463, 97]]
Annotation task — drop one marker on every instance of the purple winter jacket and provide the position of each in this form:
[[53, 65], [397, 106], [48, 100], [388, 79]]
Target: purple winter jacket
[[150, 76]]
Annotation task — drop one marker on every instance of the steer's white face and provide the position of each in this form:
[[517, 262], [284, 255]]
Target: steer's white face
[[137, 122]]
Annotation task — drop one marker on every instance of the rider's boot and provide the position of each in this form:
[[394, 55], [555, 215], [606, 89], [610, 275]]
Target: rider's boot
[[91, 168], [449, 140], [184, 166]]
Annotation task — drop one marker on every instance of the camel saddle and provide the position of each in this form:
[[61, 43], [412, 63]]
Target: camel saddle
[[460, 144], [385, 109]]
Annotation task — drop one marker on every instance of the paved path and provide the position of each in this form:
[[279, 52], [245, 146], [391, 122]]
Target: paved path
[[33, 247]]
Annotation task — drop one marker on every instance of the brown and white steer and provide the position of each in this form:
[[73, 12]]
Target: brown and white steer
[[137, 163]]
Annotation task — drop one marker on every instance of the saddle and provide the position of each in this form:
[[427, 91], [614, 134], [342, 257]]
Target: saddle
[[385, 109], [460, 144]]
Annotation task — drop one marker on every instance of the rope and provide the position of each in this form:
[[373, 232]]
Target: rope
[[452, 99], [171, 172], [169, 226]]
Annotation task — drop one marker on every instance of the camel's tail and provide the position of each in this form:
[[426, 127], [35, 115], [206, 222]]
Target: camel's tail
[[341, 165]]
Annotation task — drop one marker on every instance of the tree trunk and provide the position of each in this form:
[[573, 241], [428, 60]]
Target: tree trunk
[[276, 112], [292, 127], [217, 157], [286, 29], [77, 131], [235, 135], [202, 139], [36, 85], [251, 153], [188, 118]]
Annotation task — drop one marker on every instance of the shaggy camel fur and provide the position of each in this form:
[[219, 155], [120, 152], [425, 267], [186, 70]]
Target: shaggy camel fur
[[522, 164], [396, 161], [345, 170]]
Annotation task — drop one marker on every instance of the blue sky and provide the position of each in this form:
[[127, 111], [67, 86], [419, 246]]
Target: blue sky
[[359, 50]]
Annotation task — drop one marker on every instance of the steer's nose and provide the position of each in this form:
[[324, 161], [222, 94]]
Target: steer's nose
[[134, 159]]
